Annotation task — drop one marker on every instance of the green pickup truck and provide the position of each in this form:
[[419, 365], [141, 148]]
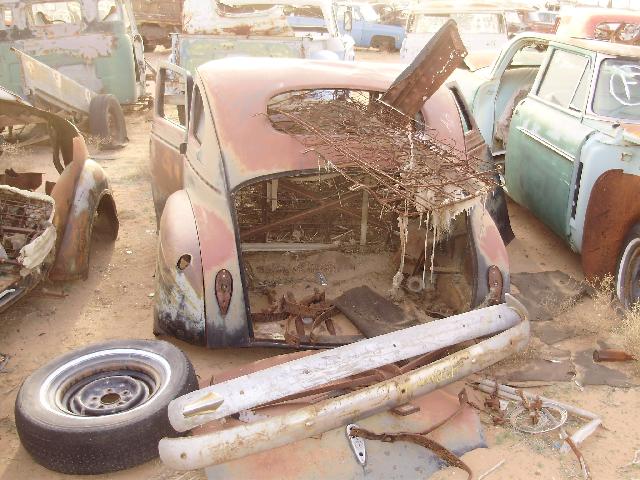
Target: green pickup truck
[[566, 114]]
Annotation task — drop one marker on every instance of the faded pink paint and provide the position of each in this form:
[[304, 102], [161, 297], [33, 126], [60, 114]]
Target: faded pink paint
[[239, 97], [582, 22], [217, 240]]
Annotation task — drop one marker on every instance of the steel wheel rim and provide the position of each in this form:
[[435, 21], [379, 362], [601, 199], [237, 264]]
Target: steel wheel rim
[[105, 383]]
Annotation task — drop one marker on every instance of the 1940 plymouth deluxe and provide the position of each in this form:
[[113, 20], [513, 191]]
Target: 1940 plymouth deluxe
[[276, 232]]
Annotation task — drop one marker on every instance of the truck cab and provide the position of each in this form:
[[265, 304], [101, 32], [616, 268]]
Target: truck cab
[[94, 42]]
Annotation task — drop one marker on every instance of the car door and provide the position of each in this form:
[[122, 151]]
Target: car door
[[545, 138], [169, 133]]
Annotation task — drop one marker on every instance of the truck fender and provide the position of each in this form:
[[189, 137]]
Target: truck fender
[[612, 211], [179, 307], [79, 204]]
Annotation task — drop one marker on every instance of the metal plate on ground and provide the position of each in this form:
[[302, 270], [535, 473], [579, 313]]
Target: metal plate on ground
[[547, 294], [372, 313]]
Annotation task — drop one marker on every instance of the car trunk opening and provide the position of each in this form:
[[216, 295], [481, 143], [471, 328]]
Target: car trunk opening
[[377, 238], [316, 254]]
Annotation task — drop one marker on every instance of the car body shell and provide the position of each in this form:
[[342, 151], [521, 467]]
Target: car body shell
[[193, 192], [573, 168], [80, 195]]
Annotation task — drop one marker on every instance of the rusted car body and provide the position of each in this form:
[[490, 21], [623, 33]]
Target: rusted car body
[[248, 213], [259, 28], [565, 113], [611, 25], [46, 233], [157, 20]]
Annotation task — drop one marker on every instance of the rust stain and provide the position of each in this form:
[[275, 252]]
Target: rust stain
[[613, 209]]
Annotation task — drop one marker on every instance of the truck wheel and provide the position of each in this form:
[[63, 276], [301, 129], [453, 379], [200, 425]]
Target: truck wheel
[[385, 44], [102, 408], [628, 274], [106, 120]]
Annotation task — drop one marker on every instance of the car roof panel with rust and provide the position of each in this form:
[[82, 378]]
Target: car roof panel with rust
[[239, 89]]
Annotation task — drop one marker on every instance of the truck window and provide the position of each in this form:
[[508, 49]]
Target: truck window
[[108, 11], [52, 13], [617, 93], [565, 82], [7, 17]]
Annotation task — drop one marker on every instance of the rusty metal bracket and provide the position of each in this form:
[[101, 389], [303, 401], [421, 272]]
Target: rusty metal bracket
[[430, 69]]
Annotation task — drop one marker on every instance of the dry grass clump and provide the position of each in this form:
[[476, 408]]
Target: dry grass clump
[[630, 330], [604, 318]]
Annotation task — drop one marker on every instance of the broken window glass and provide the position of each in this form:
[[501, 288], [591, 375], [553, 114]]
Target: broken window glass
[[54, 13], [562, 78]]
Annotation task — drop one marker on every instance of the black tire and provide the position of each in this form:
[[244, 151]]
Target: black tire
[[628, 270], [106, 121], [385, 44], [58, 415]]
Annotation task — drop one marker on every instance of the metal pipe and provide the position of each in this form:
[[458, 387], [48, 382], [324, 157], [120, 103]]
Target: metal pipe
[[489, 386], [265, 386], [200, 451]]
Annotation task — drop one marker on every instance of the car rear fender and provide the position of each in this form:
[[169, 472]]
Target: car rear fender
[[179, 308], [82, 195]]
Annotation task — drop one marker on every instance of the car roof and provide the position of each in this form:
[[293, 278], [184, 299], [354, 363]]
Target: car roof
[[599, 46]]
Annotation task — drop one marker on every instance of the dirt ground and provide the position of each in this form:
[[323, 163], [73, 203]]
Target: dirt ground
[[115, 303]]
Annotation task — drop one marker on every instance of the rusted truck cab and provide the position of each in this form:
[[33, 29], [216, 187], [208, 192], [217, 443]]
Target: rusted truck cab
[[247, 214], [94, 42]]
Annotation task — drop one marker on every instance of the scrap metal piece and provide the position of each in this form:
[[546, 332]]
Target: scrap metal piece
[[221, 446], [357, 445], [419, 439], [438, 59], [609, 355], [251, 390], [509, 393], [549, 417]]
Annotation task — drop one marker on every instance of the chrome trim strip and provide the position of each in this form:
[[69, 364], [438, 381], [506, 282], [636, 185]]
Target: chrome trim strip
[[547, 144]]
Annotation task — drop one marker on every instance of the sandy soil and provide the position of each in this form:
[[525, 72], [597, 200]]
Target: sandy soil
[[115, 303]]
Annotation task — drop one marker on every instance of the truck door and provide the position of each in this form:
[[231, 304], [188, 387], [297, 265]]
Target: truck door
[[545, 138], [169, 133]]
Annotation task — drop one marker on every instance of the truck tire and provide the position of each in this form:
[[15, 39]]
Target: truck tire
[[106, 121], [628, 272], [384, 44], [102, 408]]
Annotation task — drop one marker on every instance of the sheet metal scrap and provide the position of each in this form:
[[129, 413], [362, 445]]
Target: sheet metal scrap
[[438, 59], [287, 308]]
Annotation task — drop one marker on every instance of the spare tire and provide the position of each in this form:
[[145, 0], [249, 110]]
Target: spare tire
[[106, 121], [104, 407]]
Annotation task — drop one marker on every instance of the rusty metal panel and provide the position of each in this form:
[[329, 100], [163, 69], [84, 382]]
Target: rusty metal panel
[[613, 209], [44, 83], [438, 59]]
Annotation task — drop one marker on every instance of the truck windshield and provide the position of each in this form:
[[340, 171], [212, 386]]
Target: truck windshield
[[467, 22], [617, 92], [368, 13]]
